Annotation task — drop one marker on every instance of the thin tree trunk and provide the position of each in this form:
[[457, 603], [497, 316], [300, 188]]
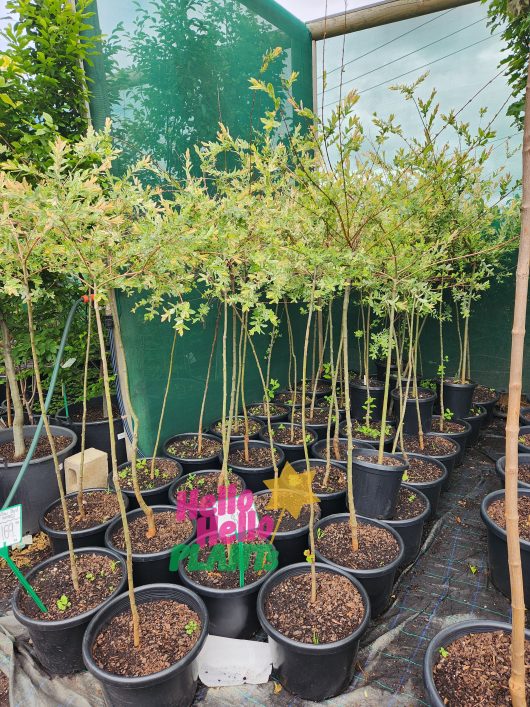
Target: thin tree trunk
[[164, 403], [517, 679], [207, 382], [387, 380], [83, 423], [18, 421]]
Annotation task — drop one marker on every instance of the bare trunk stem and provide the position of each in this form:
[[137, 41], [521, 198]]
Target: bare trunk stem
[[12, 387], [164, 403]]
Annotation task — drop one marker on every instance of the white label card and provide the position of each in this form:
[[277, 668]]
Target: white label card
[[11, 526]]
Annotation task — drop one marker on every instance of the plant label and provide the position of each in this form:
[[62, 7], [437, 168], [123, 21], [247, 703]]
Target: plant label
[[10, 526]]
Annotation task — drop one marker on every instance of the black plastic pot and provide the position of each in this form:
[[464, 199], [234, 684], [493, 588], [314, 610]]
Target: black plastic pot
[[443, 639], [458, 397], [377, 582], [281, 417], [500, 469], [320, 429], [476, 422], [38, 487], [522, 419], [178, 483], [152, 567], [236, 437], [523, 448], [97, 434], [359, 395], [153, 497], [292, 452], [330, 503], [191, 465], [448, 460], [380, 369], [91, 537], [312, 672], [374, 443], [232, 612], [489, 406], [431, 489], [376, 486], [255, 476], [57, 644], [288, 405], [411, 529], [318, 449], [459, 437], [320, 394], [410, 419], [174, 686], [498, 549]]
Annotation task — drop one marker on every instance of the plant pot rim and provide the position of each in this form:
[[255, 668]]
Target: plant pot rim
[[483, 412], [149, 492], [333, 462], [491, 524], [308, 424], [144, 556], [187, 435], [233, 436], [254, 443], [56, 430], [130, 681], [460, 421], [285, 408], [445, 637], [432, 460], [363, 573], [379, 467], [416, 520], [449, 455], [361, 386], [60, 417], [309, 648], [491, 401], [85, 531], [262, 434], [320, 444], [287, 534], [219, 593], [181, 479], [454, 384], [500, 468], [411, 399], [72, 621]]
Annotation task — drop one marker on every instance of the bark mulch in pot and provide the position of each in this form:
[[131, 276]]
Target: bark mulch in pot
[[373, 382], [189, 448], [369, 432], [258, 457], [287, 397], [225, 580], [288, 522], [377, 546], [99, 506], [319, 416], [208, 484], [282, 435], [94, 413], [386, 461], [343, 451], [449, 426], [496, 511], [7, 449], [24, 559], [422, 394], [165, 471], [524, 473], [336, 479], [289, 609], [99, 576], [482, 394], [476, 670], [421, 470], [254, 426], [409, 505], [169, 630], [434, 446], [169, 532], [259, 409]]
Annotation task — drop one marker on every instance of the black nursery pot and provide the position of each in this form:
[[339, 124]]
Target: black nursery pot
[[330, 503], [443, 639], [498, 549], [151, 567], [459, 437], [279, 417], [292, 452], [448, 460], [58, 644], [489, 406], [191, 465], [320, 429], [431, 489], [153, 497], [523, 449], [312, 672], [255, 476], [458, 397], [500, 468], [476, 422], [233, 436], [174, 686], [377, 582], [410, 418], [232, 612], [376, 486], [411, 530], [91, 537], [380, 370], [97, 434], [359, 395], [318, 449]]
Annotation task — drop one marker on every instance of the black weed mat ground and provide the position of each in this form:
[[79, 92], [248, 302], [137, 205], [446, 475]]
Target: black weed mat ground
[[448, 583]]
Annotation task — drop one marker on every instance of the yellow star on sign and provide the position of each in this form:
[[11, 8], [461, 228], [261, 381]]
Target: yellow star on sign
[[291, 491]]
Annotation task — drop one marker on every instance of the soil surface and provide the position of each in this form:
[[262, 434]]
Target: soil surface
[[336, 478], [372, 459], [166, 470], [360, 431], [377, 546], [207, 484], [4, 690], [254, 426], [496, 512], [502, 404], [525, 439], [450, 427], [227, 579], [24, 559], [524, 473], [481, 394], [287, 397], [373, 382], [282, 434], [409, 505], [7, 449], [422, 394], [319, 417], [169, 532], [168, 630], [99, 507], [259, 458], [432, 446], [188, 448], [289, 609], [258, 410], [99, 576], [288, 522], [94, 413], [343, 450], [323, 386], [476, 670], [421, 470]]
